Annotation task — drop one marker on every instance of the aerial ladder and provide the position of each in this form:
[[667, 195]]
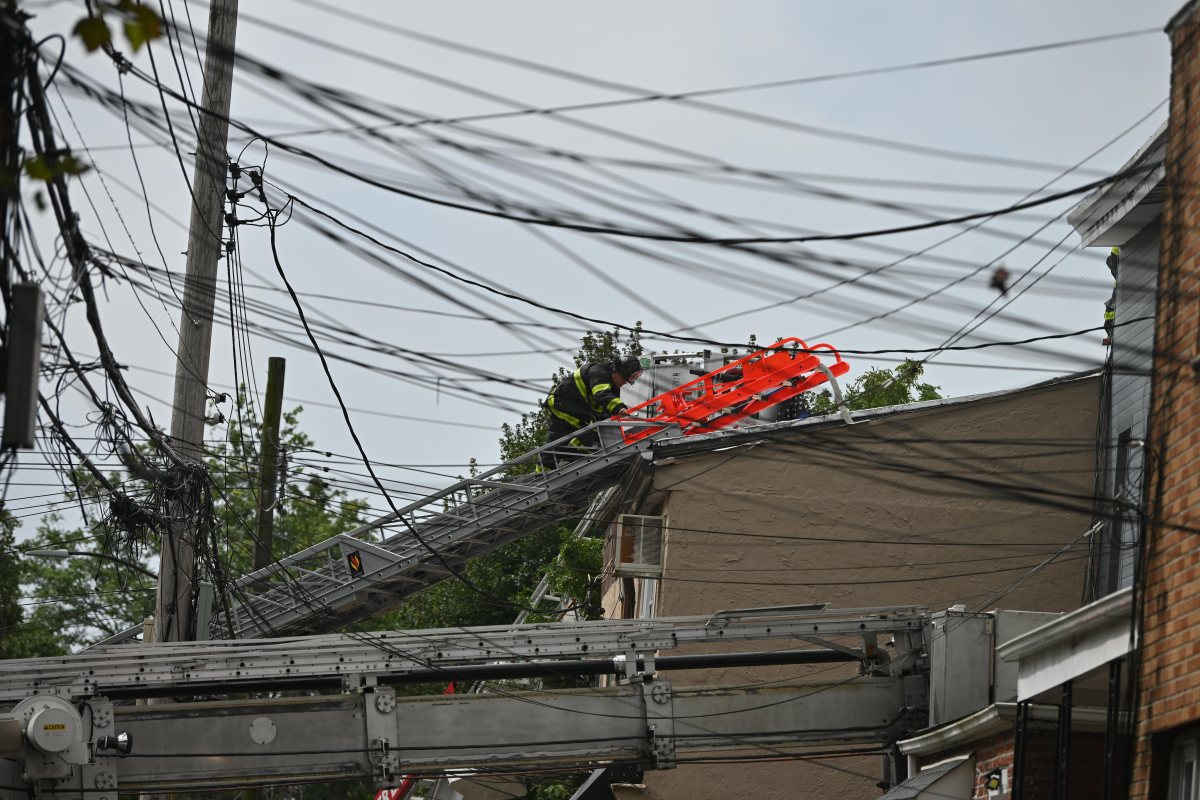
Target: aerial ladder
[[78, 727], [374, 567]]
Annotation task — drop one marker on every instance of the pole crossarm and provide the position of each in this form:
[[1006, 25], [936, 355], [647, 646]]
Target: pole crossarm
[[189, 667]]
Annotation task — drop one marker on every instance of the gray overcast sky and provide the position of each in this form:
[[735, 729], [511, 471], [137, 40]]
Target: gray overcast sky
[[1054, 108]]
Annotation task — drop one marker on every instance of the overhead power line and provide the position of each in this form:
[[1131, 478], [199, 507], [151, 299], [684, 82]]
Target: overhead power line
[[652, 97]]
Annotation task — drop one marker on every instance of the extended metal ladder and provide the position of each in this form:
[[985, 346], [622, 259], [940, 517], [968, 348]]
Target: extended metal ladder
[[376, 566]]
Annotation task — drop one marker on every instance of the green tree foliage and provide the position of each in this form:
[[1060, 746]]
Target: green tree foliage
[[86, 597], [877, 388], [140, 23], [18, 639], [308, 511], [104, 590]]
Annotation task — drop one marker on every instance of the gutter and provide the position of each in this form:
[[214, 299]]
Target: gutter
[[1115, 606], [1097, 213], [995, 719]]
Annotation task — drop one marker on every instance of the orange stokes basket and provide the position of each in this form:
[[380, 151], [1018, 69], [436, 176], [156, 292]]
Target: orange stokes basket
[[747, 386]]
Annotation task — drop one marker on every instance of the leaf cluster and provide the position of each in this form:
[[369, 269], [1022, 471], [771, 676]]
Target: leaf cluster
[[139, 22], [877, 388], [101, 592]]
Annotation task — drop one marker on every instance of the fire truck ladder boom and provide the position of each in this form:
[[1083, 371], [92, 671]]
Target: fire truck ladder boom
[[69, 728], [374, 567]]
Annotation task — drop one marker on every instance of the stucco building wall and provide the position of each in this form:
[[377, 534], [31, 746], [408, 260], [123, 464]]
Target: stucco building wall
[[931, 506]]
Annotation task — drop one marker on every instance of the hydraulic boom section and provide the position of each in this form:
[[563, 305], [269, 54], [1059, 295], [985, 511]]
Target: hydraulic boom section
[[69, 726]]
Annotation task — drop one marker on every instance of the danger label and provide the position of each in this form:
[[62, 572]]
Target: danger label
[[54, 726]]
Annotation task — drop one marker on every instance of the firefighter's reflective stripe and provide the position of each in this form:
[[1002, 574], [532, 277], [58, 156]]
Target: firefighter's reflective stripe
[[579, 445], [1110, 306], [564, 416], [584, 396], [581, 385], [613, 404]]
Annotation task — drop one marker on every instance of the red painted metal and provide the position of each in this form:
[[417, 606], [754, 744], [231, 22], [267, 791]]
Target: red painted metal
[[743, 387]]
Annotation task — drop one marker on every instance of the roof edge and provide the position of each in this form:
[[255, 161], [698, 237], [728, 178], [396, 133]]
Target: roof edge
[[1070, 625], [1102, 209], [1180, 15], [996, 718], [727, 437]]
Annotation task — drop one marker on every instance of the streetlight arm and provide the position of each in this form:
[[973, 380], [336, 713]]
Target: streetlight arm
[[58, 553]]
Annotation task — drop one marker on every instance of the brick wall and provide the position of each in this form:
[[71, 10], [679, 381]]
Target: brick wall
[[996, 752], [1169, 674]]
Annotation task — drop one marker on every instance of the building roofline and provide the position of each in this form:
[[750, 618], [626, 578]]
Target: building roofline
[[1099, 212], [1068, 626], [1182, 14], [729, 438], [994, 719]]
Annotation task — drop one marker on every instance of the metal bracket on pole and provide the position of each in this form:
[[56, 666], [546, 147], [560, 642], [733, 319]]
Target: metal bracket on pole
[[204, 607], [379, 704], [98, 778], [660, 723], [634, 666], [838, 400], [360, 682]]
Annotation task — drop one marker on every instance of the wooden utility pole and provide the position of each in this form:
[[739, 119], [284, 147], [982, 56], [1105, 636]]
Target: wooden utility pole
[[205, 244], [268, 462]]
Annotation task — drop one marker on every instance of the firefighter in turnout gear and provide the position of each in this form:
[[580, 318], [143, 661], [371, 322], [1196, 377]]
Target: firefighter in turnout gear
[[589, 394], [1110, 305]]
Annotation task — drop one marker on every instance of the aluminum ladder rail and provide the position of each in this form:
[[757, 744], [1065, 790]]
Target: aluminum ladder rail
[[376, 566], [185, 667]]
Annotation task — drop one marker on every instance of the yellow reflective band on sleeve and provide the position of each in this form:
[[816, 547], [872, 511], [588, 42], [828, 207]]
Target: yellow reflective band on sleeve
[[1110, 316], [614, 404], [579, 445], [593, 402]]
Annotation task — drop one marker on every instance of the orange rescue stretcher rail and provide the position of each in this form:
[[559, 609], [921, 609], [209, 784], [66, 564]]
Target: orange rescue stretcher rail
[[747, 386]]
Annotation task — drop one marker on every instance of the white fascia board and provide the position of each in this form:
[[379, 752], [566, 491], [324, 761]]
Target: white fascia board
[[1073, 645], [1110, 215], [1118, 605]]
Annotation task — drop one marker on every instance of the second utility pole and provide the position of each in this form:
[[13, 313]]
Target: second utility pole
[[176, 618], [268, 463]]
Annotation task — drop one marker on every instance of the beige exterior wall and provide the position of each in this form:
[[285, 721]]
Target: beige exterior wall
[[912, 508]]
